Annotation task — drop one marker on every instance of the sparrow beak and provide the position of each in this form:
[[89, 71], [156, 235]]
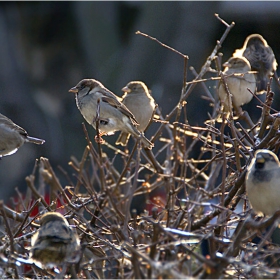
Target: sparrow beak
[[227, 64], [126, 89], [260, 159], [74, 90]]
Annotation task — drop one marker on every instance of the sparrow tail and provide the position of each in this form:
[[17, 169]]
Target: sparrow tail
[[35, 140], [146, 143]]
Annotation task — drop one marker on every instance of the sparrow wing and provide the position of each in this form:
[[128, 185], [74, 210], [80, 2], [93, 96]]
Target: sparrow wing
[[10, 124], [114, 101]]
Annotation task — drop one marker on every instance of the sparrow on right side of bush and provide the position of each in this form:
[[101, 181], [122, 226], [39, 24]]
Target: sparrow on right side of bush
[[141, 104], [261, 57], [263, 182]]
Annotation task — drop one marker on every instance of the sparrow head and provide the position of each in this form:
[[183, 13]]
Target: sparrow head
[[135, 86], [85, 86], [255, 40], [52, 216], [265, 160], [239, 64]]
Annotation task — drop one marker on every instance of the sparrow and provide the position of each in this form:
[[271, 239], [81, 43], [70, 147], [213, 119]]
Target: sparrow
[[113, 114], [13, 137], [55, 243], [262, 182], [238, 79], [261, 57], [141, 104]]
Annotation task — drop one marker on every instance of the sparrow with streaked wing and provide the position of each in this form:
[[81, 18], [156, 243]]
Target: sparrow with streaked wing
[[261, 57], [113, 115]]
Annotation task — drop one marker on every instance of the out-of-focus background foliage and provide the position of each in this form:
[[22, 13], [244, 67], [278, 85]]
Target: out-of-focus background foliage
[[48, 47]]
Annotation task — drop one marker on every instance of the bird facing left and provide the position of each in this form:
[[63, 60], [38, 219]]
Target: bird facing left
[[113, 114], [239, 79], [12, 137], [139, 101]]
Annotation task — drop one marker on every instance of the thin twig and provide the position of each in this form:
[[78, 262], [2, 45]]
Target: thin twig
[[164, 45]]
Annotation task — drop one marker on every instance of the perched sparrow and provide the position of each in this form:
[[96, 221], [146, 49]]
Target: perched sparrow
[[13, 136], [262, 182], [140, 103], [261, 58], [113, 115], [55, 242], [238, 80]]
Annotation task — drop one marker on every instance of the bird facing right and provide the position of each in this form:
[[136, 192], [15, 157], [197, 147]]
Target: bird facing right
[[261, 58], [12, 137], [55, 242], [238, 78], [263, 182], [140, 103]]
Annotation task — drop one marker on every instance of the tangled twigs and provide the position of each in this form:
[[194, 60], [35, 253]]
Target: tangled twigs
[[10, 235], [204, 69], [94, 154], [238, 184], [177, 211], [272, 133], [266, 117]]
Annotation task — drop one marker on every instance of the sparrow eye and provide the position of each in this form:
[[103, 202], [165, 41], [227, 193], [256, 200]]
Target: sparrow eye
[[103, 122], [259, 165]]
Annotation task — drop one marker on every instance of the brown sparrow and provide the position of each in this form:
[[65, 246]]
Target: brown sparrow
[[13, 136], [113, 115], [261, 57], [55, 243], [140, 103], [238, 79], [262, 182]]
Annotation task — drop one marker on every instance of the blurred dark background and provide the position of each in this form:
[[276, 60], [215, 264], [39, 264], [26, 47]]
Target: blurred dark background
[[48, 47]]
